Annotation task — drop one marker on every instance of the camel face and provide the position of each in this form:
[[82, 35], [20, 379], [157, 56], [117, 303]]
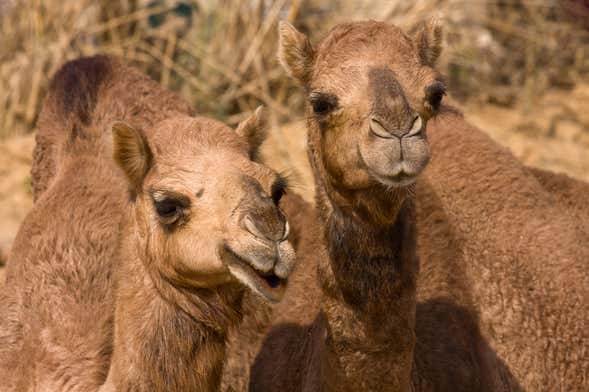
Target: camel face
[[205, 213], [371, 90]]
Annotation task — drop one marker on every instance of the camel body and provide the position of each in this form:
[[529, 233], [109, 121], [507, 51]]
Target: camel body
[[513, 254], [55, 337], [110, 284]]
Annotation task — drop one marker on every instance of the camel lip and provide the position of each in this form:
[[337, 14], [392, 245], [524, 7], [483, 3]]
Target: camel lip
[[397, 178], [400, 179], [267, 284]]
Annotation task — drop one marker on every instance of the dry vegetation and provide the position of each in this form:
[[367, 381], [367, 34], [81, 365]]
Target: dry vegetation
[[520, 68]]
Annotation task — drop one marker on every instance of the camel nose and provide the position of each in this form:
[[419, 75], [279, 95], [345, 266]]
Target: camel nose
[[379, 128], [412, 125], [264, 233]]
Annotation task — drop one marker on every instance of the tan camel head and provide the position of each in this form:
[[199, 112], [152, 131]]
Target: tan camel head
[[205, 213], [371, 90]]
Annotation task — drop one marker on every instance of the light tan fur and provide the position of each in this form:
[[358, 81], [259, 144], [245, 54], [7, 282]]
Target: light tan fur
[[130, 279]]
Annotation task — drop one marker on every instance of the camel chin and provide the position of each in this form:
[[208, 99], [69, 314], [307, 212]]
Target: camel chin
[[266, 284]]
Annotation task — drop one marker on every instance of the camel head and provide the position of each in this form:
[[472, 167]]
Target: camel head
[[371, 90], [206, 214]]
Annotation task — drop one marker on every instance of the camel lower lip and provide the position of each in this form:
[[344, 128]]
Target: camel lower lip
[[400, 179], [269, 285], [402, 176]]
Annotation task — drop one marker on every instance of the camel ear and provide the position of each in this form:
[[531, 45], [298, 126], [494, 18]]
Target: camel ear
[[131, 152], [429, 42], [295, 52], [254, 130]]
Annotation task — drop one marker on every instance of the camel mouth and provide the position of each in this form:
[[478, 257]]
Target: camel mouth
[[400, 179], [267, 284]]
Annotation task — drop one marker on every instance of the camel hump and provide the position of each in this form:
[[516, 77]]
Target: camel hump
[[67, 113], [76, 85]]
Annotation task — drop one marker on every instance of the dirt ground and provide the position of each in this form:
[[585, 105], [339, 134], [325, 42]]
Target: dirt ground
[[552, 134], [15, 194]]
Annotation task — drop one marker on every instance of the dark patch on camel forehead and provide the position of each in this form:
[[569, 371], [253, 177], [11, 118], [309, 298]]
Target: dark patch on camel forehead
[[383, 79], [385, 87]]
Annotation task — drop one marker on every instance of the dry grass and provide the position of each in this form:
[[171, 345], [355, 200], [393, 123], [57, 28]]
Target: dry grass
[[512, 52], [218, 54], [221, 53]]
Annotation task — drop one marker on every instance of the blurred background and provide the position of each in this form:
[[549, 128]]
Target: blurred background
[[519, 69]]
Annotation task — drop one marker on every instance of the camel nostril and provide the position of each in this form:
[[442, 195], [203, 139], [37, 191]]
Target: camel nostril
[[416, 127], [252, 228], [379, 130], [286, 231]]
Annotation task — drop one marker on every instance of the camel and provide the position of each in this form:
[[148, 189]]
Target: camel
[[348, 321], [502, 279], [128, 272]]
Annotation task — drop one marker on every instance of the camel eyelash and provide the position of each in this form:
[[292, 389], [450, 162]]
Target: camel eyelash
[[322, 103], [278, 189], [170, 206], [434, 94]]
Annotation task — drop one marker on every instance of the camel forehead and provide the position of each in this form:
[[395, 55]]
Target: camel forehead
[[215, 170], [193, 136], [365, 44], [201, 160]]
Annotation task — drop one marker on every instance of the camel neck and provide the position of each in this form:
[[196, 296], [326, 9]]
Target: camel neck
[[168, 337], [369, 281]]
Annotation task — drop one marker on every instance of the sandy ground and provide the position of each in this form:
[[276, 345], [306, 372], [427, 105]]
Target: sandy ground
[[553, 134], [15, 194]]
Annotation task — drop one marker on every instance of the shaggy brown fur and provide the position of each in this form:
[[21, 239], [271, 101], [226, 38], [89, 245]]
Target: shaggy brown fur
[[515, 249], [572, 195], [171, 286], [502, 288]]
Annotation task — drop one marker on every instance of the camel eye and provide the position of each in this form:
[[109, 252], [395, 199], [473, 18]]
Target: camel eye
[[434, 94], [170, 206], [320, 106], [322, 103], [167, 208]]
